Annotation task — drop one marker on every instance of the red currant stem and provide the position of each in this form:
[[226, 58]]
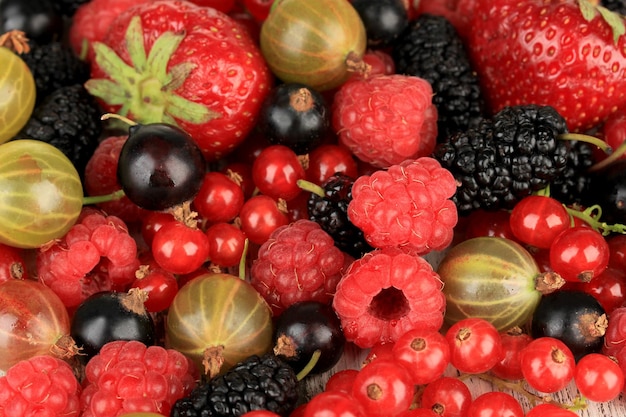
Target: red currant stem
[[242, 261], [592, 140], [126, 120], [315, 357], [591, 215], [619, 151], [519, 387], [311, 187], [96, 199]]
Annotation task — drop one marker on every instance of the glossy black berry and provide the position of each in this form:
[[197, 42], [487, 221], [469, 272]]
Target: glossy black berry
[[108, 316], [296, 116], [384, 20], [574, 317], [160, 166], [38, 19], [305, 327]]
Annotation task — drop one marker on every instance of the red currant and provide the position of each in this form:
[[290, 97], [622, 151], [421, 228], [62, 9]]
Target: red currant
[[220, 198], [609, 288], [341, 380], [617, 251], [550, 410], [333, 404], [12, 264], [475, 345], [447, 396], [426, 354], [260, 216], [384, 388], [495, 404], [579, 254], [326, 160], [180, 249], [161, 287], [537, 220], [275, 172], [152, 223], [513, 341], [598, 377], [547, 364], [226, 244], [489, 223]]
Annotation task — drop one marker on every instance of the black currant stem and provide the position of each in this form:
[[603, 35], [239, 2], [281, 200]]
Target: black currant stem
[[315, 357], [591, 215], [96, 199], [614, 156]]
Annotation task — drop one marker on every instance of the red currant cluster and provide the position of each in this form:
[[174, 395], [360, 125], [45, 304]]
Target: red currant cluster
[[386, 383]]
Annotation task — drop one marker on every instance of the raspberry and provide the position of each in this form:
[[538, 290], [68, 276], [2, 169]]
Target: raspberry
[[101, 179], [299, 262], [386, 119], [407, 206], [128, 376], [385, 294], [43, 386], [96, 254]]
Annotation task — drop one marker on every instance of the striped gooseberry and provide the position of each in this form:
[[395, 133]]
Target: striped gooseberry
[[219, 317], [41, 194], [495, 279], [17, 92]]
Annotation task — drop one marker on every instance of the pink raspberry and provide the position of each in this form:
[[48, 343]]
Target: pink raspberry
[[101, 179], [299, 262], [40, 386], [386, 119], [96, 254], [128, 376], [407, 206], [386, 293]]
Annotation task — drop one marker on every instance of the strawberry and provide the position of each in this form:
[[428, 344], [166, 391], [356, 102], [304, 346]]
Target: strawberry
[[175, 62], [91, 22], [568, 54]]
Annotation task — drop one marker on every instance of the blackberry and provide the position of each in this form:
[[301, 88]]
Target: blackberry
[[507, 157], [258, 383], [55, 65], [574, 184], [432, 49], [69, 119], [328, 206]]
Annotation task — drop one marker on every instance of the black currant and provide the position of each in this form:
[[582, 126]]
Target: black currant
[[160, 166], [574, 317], [108, 316], [384, 20], [38, 19], [305, 327], [296, 116]]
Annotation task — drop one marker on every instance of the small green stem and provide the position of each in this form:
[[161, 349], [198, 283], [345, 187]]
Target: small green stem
[[96, 199], [617, 154], [591, 215], [311, 187], [242, 261], [592, 140], [126, 120], [315, 357]]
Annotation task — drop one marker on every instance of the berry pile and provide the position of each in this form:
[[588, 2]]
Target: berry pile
[[211, 206]]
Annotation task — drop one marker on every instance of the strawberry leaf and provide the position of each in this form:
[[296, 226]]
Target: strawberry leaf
[[134, 43], [614, 20]]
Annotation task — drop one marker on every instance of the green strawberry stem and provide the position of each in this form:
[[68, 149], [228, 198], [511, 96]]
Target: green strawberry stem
[[97, 199], [591, 215]]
